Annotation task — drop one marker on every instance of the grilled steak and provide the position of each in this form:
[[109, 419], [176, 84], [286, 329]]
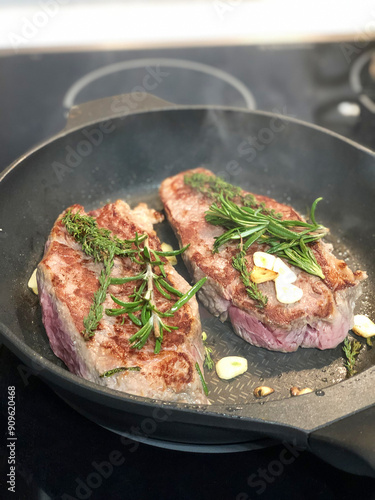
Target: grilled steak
[[320, 319], [67, 279]]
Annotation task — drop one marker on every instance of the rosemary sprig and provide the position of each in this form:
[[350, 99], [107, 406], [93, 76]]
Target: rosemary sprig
[[239, 263], [103, 246], [204, 385], [251, 222], [109, 373], [351, 350], [208, 362], [151, 318], [254, 226]]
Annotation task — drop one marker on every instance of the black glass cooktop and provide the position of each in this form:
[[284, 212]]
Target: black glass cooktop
[[61, 455]]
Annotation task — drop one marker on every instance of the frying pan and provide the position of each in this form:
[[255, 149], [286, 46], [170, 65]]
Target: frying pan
[[123, 147]]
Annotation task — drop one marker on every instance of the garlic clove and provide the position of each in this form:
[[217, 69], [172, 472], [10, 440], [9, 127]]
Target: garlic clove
[[285, 274], [230, 367], [363, 326], [263, 391], [305, 390], [263, 259], [168, 248], [32, 284], [286, 293]]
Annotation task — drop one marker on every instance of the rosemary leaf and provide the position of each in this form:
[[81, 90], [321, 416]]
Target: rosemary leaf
[[188, 295], [109, 373], [205, 388]]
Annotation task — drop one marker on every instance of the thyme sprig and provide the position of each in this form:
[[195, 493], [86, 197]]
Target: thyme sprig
[[214, 187], [351, 350], [208, 361], [239, 263], [103, 246], [246, 222], [92, 320], [97, 242]]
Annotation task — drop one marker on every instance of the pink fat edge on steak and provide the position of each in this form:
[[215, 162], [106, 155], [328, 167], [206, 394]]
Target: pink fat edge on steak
[[320, 319], [67, 279]]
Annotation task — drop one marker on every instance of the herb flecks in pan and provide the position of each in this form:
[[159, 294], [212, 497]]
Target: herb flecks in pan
[[251, 223], [351, 350], [103, 246]]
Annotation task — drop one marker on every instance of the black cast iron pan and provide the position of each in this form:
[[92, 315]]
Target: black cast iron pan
[[125, 146]]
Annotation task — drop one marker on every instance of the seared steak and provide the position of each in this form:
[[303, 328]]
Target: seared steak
[[320, 319], [67, 279]]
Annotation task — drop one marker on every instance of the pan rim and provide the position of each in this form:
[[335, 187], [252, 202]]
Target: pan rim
[[66, 131], [217, 409]]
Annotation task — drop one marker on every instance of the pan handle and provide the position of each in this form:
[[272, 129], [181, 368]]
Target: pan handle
[[111, 107], [348, 443]]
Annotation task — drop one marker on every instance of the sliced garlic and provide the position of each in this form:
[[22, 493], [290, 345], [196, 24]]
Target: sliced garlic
[[168, 248], [263, 259], [286, 293], [261, 275], [32, 284], [285, 274], [230, 367], [363, 326]]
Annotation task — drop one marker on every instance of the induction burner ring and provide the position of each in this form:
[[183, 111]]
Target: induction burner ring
[[356, 82], [79, 85]]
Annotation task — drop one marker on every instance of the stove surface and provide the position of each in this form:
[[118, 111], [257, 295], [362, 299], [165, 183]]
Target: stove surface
[[319, 83]]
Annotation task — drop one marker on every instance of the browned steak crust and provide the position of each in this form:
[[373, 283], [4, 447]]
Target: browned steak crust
[[67, 280], [326, 305]]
